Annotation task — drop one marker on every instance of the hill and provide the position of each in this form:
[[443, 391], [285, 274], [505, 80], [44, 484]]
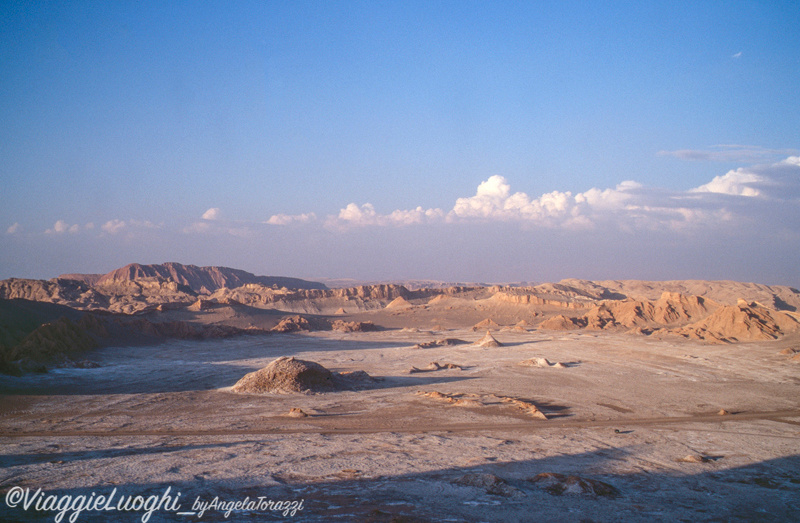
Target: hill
[[203, 280]]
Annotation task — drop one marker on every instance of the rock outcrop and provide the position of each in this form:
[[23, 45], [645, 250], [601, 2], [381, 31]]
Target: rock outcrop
[[53, 342], [741, 322], [488, 341], [203, 280]]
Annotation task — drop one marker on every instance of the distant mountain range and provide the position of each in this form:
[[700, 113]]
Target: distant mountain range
[[199, 279]]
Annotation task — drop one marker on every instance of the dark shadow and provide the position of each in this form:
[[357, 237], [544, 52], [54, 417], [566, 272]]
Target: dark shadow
[[491, 491], [56, 458], [177, 365], [551, 410], [783, 306]]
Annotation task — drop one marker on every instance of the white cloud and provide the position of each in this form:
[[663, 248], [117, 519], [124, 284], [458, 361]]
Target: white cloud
[[494, 200], [212, 214], [286, 219], [61, 227], [627, 207], [14, 229], [113, 226], [414, 216], [737, 55], [366, 215], [738, 183]]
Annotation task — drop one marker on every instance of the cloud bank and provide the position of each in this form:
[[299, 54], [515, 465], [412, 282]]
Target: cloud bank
[[741, 224], [734, 197], [628, 206]]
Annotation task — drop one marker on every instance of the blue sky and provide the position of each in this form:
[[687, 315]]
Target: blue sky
[[482, 141]]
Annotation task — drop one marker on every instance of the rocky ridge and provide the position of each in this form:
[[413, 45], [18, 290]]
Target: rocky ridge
[[185, 301]]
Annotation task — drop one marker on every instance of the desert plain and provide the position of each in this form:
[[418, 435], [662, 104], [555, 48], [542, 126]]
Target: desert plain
[[576, 401]]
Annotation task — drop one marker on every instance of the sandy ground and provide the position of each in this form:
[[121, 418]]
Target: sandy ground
[[624, 410]]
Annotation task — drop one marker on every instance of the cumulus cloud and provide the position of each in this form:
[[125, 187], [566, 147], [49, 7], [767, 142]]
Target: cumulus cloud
[[354, 215], [14, 229], [494, 200], [780, 181], [113, 226], [287, 219], [212, 214], [61, 227], [739, 183], [627, 207]]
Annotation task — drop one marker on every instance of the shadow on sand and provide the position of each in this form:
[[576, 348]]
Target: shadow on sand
[[497, 491], [183, 366]]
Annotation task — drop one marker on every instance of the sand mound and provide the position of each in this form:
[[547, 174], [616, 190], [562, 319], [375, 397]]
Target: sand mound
[[560, 484], [541, 362], [487, 324], [788, 352], [295, 412], [399, 303], [488, 341], [289, 375], [340, 311]]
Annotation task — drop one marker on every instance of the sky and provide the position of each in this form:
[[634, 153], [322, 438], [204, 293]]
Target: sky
[[456, 141]]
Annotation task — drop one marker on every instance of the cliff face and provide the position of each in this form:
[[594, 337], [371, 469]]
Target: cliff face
[[313, 301], [203, 280], [742, 322], [779, 297]]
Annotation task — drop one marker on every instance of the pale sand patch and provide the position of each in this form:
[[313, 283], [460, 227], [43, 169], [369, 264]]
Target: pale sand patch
[[155, 416]]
